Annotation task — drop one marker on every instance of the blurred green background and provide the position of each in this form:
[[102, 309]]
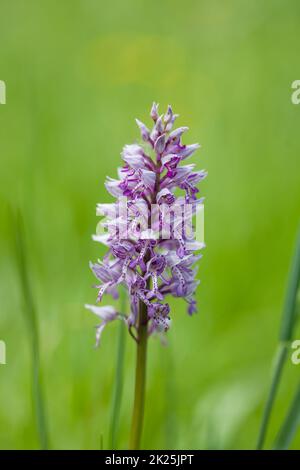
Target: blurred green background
[[77, 74]]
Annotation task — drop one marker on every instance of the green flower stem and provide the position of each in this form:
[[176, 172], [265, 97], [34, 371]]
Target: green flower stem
[[140, 380]]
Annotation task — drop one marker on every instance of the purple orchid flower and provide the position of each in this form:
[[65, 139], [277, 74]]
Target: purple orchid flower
[[140, 256]]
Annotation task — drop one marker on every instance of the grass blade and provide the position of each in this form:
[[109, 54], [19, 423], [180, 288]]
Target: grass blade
[[32, 328], [171, 397], [288, 323], [290, 311], [290, 425], [276, 375], [101, 442], [118, 384]]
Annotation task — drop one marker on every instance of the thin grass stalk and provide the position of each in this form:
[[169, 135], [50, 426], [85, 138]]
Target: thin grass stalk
[[118, 383], [171, 421], [276, 376], [289, 319], [32, 329], [290, 425]]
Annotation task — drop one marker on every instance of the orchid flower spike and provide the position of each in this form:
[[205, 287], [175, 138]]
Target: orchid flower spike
[[149, 251]]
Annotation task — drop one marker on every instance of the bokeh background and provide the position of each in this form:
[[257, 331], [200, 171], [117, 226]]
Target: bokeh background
[[77, 74]]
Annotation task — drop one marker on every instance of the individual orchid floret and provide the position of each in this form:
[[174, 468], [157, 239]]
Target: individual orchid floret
[[148, 228], [106, 314]]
